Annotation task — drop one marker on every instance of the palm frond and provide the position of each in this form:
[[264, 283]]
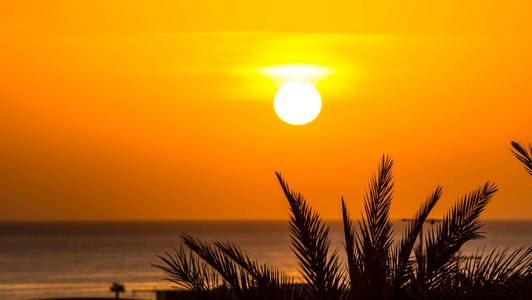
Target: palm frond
[[497, 267], [187, 271], [233, 275], [375, 239], [310, 242], [271, 282], [459, 225], [354, 267], [412, 231], [524, 156], [376, 224]]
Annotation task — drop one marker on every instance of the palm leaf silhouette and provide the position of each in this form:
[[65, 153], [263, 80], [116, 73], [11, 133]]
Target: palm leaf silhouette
[[524, 156], [374, 241], [458, 226], [187, 271], [235, 276], [352, 249], [271, 282], [310, 240], [497, 266], [404, 250]]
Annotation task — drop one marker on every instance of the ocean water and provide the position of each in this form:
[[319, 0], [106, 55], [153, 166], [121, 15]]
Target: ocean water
[[61, 259]]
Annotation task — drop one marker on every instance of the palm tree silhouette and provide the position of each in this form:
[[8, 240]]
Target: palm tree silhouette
[[375, 267], [117, 288]]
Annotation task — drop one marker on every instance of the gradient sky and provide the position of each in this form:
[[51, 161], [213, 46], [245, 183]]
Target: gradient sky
[[155, 109]]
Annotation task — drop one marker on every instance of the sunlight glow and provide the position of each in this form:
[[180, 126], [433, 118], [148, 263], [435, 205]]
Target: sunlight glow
[[296, 72], [297, 102]]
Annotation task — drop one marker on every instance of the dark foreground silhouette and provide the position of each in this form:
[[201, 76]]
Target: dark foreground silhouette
[[414, 268], [523, 155]]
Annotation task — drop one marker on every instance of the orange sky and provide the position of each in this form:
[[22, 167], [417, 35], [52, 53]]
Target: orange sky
[[136, 110]]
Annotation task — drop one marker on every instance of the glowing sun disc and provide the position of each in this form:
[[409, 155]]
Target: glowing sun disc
[[297, 102]]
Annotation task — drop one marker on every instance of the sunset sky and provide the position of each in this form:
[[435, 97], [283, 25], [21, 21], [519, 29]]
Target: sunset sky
[[143, 110]]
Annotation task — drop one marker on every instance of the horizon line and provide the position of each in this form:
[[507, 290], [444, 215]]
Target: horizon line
[[207, 220]]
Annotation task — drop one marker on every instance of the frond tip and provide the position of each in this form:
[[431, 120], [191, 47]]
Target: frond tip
[[524, 156]]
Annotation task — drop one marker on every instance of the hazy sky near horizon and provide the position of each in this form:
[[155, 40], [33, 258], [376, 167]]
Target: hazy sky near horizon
[[155, 109]]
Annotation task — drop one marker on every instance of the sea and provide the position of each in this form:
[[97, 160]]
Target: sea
[[82, 259]]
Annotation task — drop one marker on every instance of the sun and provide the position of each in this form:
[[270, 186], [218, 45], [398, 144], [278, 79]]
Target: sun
[[297, 102]]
